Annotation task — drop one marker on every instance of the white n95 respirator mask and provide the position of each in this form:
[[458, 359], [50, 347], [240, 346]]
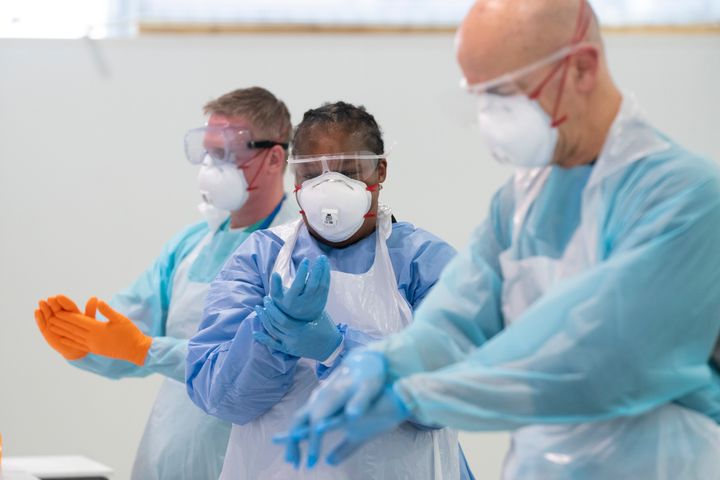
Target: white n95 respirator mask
[[222, 185], [517, 130], [335, 205]]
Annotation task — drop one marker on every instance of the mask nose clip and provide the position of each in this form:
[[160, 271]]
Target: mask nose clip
[[332, 180]]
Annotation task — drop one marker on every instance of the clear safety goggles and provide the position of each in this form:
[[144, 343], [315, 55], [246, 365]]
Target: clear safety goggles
[[224, 144], [356, 165], [506, 84]]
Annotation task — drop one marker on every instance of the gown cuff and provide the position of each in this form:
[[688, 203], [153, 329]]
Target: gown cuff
[[329, 361]]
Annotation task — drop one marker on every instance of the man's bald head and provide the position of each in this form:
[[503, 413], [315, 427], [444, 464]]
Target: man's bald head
[[499, 36], [577, 92]]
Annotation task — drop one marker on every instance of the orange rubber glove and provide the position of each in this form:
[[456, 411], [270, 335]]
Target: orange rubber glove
[[47, 310], [117, 338]]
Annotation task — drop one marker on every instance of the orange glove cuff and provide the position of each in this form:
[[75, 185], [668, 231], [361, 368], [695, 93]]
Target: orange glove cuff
[[139, 353]]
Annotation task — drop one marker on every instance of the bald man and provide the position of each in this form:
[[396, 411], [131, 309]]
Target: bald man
[[583, 313]]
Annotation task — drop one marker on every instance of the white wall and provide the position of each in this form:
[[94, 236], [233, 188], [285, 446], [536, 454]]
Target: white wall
[[93, 179]]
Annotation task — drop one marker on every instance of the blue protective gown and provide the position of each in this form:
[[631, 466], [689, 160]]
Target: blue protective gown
[[229, 374], [233, 377], [165, 302], [631, 333]]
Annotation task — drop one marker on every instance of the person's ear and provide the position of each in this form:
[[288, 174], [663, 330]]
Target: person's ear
[[586, 65], [382, 170], [276, 160]]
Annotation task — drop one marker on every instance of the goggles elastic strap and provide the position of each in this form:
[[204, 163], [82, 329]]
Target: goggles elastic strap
[[259, 144]]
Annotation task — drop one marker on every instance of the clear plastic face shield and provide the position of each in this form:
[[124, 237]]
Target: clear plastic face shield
[[355, 165], [224, 144]]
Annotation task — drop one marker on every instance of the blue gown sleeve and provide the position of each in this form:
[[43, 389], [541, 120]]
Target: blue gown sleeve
[[146, 303], [419, 274], [631, 333], [230, 375], [462, 311]]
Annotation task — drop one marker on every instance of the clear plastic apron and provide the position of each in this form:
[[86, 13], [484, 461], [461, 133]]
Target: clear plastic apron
[[629, 447], [372, 303], [180, 441]]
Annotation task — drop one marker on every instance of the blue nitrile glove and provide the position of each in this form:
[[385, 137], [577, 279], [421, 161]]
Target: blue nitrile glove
[[384, 415], [307, 296], [349, 390], [316, 339]]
